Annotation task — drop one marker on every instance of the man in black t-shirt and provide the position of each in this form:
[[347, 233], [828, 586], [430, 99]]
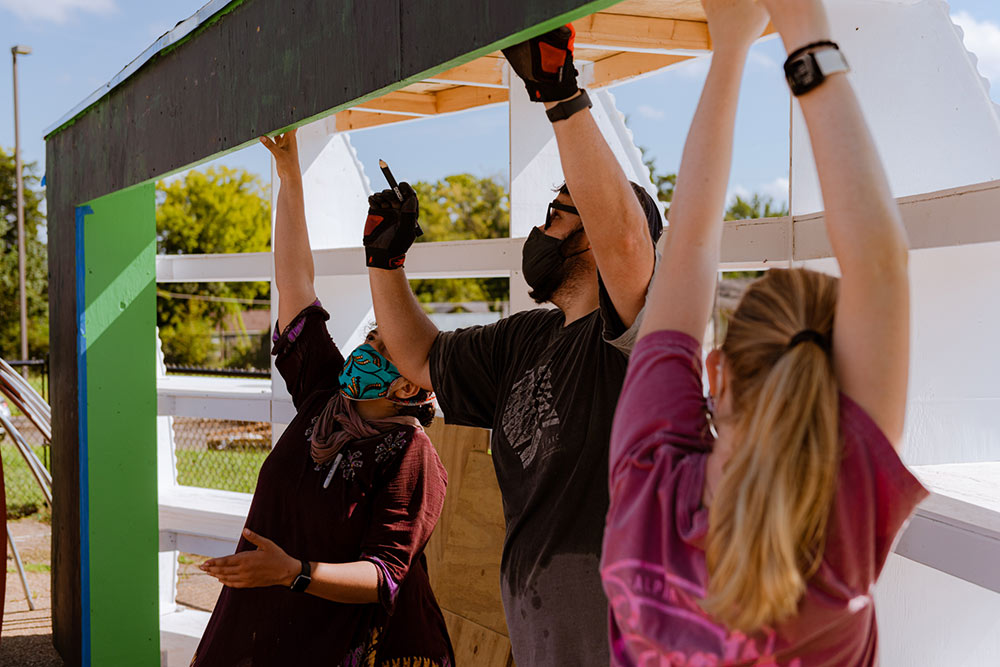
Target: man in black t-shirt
[[546, 381]]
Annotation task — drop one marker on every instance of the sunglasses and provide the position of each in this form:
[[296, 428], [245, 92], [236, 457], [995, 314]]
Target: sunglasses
[[555, 205]]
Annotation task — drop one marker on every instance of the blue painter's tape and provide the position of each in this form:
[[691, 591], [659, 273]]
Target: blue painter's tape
[[81, 374]]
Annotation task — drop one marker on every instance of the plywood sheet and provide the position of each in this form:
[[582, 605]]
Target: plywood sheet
[[453, 444], [688, 10], [468, 579], [476, 645]]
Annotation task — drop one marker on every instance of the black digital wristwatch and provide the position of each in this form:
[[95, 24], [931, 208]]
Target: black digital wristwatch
[[807, 67], [302, 579]]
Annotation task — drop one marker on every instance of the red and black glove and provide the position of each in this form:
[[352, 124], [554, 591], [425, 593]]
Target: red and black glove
[[545, 64], [391, 227]]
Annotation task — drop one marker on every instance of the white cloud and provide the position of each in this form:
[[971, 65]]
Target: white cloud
[[777, 190], [737, 191], [649, 112], [57, 11], [983, 39]]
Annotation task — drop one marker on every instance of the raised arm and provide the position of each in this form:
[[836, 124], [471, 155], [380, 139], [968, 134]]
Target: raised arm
[[407, 331], [404, 327], [293, 262], [872, 325], [683, 288], [612, 217]]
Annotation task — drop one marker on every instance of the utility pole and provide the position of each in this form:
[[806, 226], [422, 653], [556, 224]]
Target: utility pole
[[20, 49]]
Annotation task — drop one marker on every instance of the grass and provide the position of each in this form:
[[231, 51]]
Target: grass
[[24, 497], [228, 470], [32, 567]]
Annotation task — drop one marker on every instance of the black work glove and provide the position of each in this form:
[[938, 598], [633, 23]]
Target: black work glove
[[391, 227], [545, 64]]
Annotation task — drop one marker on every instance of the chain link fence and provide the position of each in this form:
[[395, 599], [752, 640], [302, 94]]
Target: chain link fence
[[24, 496], [220, 453]]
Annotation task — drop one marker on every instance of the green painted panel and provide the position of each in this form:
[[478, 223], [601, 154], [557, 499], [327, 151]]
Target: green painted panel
[[122, 541]]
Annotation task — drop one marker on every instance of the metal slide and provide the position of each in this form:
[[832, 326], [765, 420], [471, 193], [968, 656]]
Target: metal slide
[[27, 400]]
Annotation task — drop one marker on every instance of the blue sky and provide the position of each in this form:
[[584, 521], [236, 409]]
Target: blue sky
[[81, 44]]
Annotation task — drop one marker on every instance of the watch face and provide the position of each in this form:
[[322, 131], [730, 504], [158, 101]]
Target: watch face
[[803, 72], [301, 583]]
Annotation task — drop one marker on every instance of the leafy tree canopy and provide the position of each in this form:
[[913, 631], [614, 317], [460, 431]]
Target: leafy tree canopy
[[665, 183], [458, 208], [36, 265], [754, 206], [463, 207], [219, 210]]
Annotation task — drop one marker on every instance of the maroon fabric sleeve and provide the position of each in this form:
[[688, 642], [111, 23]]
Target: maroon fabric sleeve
[[875, 495], [305, 355], [405, 511]]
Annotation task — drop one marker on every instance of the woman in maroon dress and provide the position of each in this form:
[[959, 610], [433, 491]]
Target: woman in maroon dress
[[330, 568]]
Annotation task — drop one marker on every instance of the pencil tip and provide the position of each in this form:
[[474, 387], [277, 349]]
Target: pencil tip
[[382, 164]]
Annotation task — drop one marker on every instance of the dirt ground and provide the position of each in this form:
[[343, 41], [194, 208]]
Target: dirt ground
[[26, 640], [195, 588]]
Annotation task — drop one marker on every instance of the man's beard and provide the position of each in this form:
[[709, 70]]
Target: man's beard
[[562, 281]]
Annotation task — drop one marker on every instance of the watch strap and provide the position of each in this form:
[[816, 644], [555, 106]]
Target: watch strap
[[809, 66], [303, 579], [564, 110]]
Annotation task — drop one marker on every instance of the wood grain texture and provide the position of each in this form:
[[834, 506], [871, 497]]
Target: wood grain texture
[[453, 444], [468, 577], [476, 645], [688, 10], [63, 396]]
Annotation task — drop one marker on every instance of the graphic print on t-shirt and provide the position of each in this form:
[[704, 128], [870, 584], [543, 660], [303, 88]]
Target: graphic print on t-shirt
[[530, 420]]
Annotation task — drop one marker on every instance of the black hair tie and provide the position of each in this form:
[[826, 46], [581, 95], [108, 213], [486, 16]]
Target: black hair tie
[[810, 336]]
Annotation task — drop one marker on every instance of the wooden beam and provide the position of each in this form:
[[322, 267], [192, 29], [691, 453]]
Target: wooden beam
[[401, 101], [956, 216], [483, 72], [626, 65], [466, 97], [618, 32], [357, 120]]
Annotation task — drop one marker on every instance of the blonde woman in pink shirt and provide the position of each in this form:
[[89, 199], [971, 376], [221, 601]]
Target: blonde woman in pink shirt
[[757, 542]]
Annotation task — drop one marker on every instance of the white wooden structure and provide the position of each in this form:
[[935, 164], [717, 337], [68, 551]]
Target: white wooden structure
[[939, 135]]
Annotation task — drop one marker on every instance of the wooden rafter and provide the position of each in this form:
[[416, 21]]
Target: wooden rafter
[[401, 101], [625, 65], [358, 120], [618, 32], [486, 71], [466, 97], [632, 38]]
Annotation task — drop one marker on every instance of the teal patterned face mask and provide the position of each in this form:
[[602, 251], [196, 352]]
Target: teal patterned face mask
[[367, 375]]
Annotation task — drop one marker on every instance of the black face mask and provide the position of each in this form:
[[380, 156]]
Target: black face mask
[[543, 263]]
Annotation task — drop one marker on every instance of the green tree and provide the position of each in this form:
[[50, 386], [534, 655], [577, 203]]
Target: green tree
[[36, 264], [665, 183], [219, 210], [753, 207], [458, 208]]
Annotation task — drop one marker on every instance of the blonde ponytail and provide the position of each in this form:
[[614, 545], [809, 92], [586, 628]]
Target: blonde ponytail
[[767, 521]]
